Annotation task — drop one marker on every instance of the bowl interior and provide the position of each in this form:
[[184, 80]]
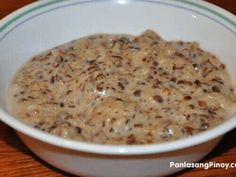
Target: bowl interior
[[54, 24]]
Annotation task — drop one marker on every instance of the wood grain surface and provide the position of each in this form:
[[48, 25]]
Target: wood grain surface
[[16, 160]]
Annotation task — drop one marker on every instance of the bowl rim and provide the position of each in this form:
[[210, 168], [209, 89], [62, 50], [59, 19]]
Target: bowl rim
[[182, 143]]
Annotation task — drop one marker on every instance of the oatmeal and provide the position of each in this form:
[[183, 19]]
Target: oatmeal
[[123, 89]]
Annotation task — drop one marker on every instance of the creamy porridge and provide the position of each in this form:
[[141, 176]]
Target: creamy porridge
[[123, 89]]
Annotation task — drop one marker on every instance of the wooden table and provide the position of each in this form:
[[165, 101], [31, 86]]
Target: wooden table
[[16, 160]]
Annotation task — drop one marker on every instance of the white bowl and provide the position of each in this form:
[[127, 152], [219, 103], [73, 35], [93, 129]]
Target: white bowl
[[45, 24]]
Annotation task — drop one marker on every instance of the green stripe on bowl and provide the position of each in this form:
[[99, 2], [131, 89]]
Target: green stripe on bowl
[[232, 22], [8, 23]]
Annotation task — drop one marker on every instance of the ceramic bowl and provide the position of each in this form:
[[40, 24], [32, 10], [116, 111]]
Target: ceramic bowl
[[45, 24]]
